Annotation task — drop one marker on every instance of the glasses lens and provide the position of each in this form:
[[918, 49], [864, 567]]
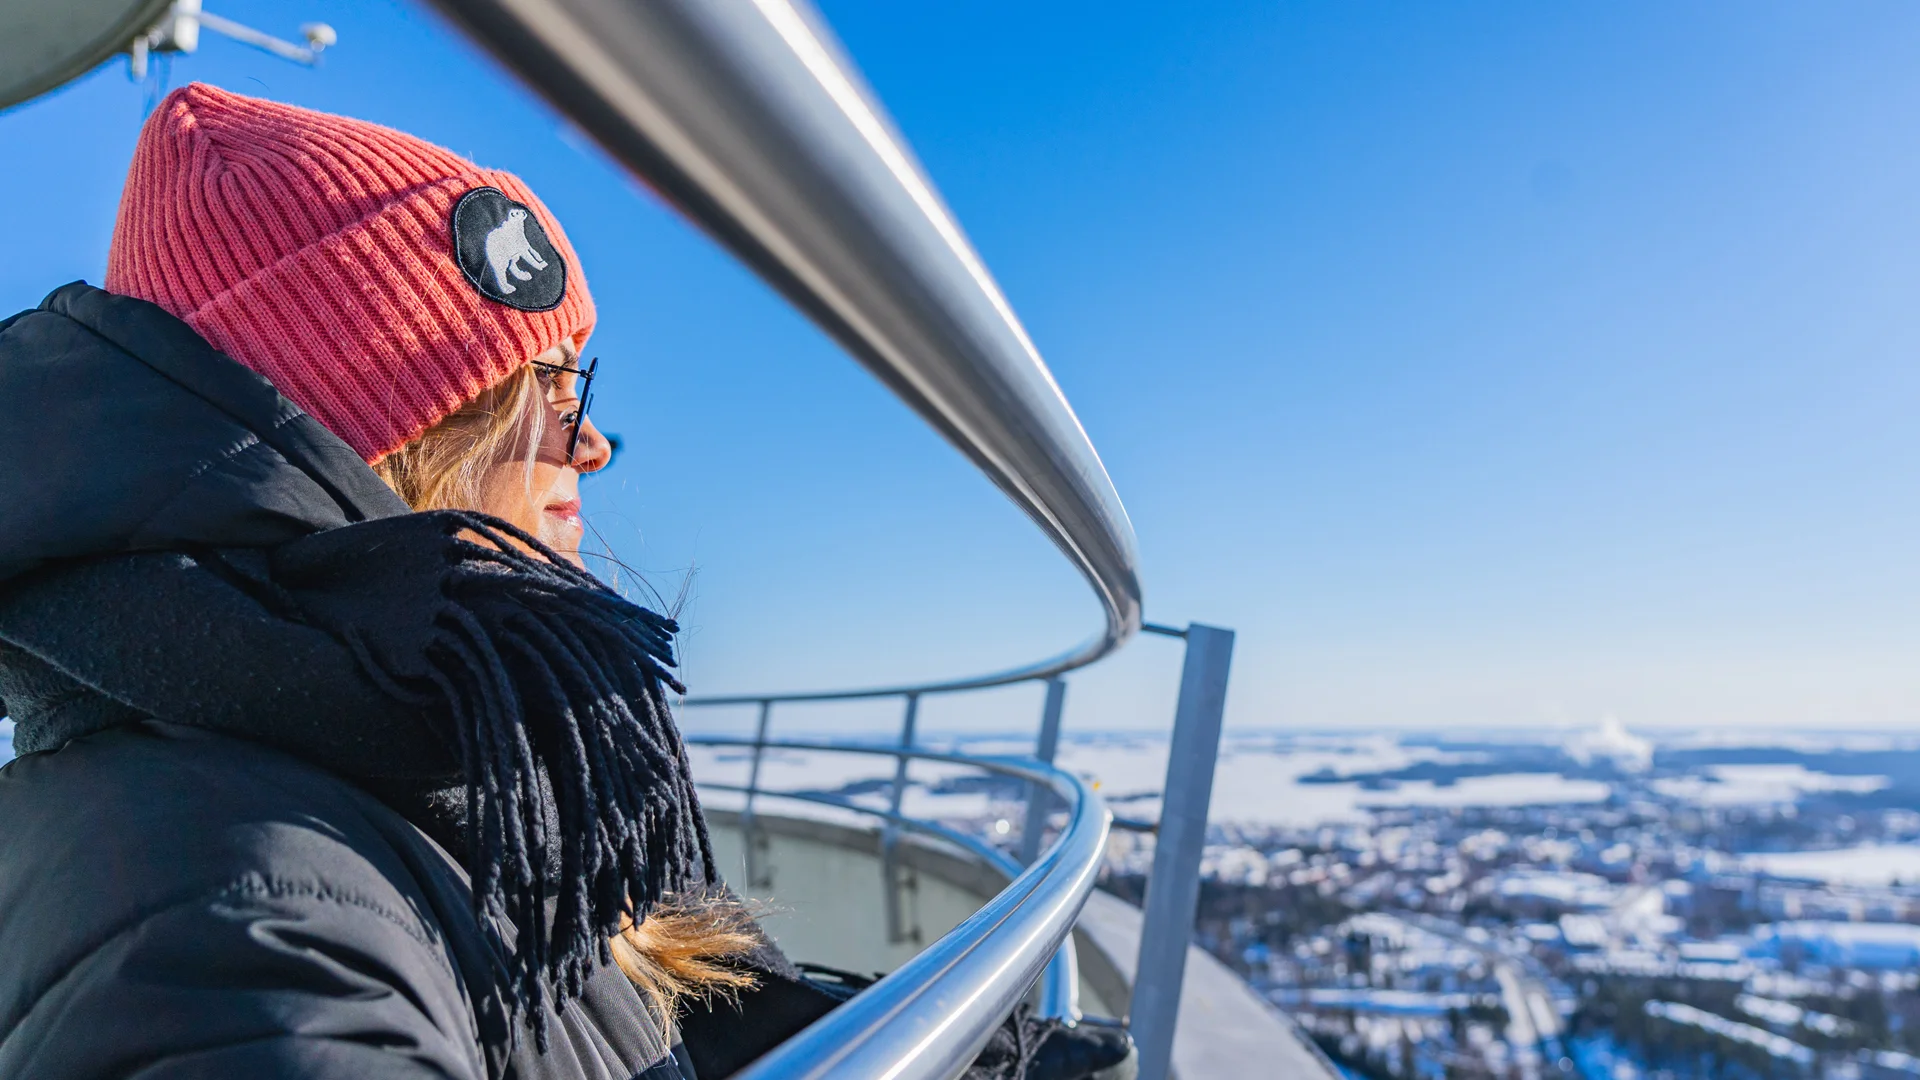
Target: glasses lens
[[580, 413], [576, 417]]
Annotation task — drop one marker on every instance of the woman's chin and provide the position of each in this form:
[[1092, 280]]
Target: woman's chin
[[562, 532]]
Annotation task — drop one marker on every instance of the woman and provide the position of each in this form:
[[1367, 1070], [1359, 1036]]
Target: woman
[[334, 761]]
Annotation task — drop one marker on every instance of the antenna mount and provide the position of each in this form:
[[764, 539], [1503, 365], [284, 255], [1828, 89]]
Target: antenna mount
[[178, 31]]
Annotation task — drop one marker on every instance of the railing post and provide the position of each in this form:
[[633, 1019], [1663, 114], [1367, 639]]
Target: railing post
[[756, 878], [1039, 796], [1060, 983], [1173, 893], [897, 930]]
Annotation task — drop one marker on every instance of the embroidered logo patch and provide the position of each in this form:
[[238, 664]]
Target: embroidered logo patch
[[504, 252]]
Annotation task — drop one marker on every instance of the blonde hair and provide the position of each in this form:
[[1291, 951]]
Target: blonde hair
[[446, 468], [683, 948]]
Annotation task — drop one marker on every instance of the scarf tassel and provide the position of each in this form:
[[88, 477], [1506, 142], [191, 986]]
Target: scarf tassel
[[549, 676]]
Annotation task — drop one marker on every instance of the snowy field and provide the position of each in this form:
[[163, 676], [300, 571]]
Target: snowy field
[[1259, 781], [1750, 785], [1875, 864], [1287, 780], [1292, 780]]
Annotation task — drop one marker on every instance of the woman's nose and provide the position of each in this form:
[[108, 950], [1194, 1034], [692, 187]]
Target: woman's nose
[[595, 451]]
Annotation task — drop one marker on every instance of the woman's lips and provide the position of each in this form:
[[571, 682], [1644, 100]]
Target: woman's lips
[[568, 512]]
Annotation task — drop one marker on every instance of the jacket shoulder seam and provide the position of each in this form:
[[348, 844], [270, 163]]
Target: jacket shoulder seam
[[246, 446], [254, 885], [251, 443], [251, 884]]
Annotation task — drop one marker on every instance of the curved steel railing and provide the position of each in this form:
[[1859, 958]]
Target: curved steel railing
[[930, 1017], [744, 115], [1060, 982], [1018, 768]]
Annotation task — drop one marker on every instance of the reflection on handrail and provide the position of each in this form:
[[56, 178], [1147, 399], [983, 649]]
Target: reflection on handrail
[[746, 116], [928, 1019]]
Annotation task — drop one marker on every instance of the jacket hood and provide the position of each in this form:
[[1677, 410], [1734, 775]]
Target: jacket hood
[[125, 431]]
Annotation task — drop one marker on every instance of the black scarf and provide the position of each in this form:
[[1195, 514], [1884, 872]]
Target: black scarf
[[179, 541], [425, 654]]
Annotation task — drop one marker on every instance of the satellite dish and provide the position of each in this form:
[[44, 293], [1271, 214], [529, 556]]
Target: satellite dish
[[46, 45]]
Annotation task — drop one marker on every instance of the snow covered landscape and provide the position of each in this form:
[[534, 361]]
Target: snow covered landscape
[[1598, 902]]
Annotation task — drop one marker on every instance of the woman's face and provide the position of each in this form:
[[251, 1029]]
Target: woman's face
[[545, 499]]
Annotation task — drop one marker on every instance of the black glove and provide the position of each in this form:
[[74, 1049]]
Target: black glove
[[1028, 1048]]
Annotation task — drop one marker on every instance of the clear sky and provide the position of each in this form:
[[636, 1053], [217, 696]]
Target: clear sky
[[1481, 364]]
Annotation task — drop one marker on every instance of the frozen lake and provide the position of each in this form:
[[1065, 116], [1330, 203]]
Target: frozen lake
[[1296, 780], [1259, 782], [1873, 864], [1751, 785]]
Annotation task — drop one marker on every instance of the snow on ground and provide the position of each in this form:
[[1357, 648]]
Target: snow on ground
[[860, 779], [1886, 946], [1806, 742], [1261, 779], [1747, 785], [1564, 887], [1257, 780], [1252, 783], [1777, 1045], [1370, 1000], [1505, 789], [1872, 864]]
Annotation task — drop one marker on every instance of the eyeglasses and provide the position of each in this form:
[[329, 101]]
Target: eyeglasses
[[575, 418]]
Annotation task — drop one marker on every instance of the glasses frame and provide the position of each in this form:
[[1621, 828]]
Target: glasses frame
[[578, 417]]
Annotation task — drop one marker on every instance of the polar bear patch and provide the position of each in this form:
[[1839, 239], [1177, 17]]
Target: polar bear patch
[[506, 246], [504, 252]]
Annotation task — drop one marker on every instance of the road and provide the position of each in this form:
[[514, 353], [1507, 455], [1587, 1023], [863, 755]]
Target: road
[[1533, 1024]]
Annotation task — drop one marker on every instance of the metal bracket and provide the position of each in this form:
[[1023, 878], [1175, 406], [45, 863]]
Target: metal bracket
[[179, 32], [1039, 797], [1173, 892], [752, 839]]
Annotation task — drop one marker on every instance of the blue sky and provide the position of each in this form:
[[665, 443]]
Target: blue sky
[[1481, 364]]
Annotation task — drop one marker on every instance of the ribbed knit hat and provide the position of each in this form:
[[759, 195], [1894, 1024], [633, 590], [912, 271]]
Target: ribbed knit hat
[[377, 280]]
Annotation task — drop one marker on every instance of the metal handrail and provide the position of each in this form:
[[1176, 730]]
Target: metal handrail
[[928, 1019], [746, 116], [1060, 982], [1037, 672], [1017, 768]]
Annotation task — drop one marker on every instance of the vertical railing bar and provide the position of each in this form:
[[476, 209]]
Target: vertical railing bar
[[1039, 796], [1173, 892], [748, 833], [1059, 991], [890, 835]]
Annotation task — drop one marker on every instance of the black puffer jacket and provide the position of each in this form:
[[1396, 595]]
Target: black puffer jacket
[[178, 902], [175, 903], [226, 849]]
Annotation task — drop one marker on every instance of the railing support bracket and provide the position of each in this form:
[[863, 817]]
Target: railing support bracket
[[1173, 892]]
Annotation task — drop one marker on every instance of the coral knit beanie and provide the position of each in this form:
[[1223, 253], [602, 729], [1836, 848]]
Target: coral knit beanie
[[377, 280]]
